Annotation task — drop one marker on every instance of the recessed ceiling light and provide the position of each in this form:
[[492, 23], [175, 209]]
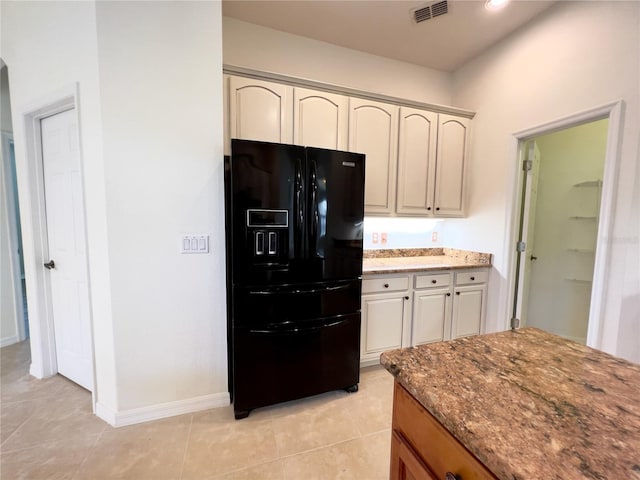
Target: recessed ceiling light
[[495, 4]]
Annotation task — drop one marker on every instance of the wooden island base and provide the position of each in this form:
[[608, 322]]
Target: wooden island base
[[440, 457]]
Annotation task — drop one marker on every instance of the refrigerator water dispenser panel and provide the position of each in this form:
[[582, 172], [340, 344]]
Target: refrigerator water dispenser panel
[[268, 231]]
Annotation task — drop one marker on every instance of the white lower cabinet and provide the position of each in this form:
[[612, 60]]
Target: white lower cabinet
[[446, 305], [386, 314], [468, 311], [431, 315]]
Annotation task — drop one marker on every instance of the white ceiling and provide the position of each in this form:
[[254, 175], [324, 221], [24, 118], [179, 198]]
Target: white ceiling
[[386, 27]]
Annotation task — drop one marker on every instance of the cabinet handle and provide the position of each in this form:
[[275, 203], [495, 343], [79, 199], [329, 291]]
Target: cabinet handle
[[386, 285], [457, 293], [473, 278], [406, 297], [451, 476]]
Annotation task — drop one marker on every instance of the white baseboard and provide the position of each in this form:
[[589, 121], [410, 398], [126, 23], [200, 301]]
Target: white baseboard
[[6, 341], [369, 363], [161, 410]]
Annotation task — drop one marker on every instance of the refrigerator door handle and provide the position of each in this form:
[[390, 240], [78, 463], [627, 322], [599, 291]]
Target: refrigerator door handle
[[298, 330], [314, 209], [299, 207], [301, 291]]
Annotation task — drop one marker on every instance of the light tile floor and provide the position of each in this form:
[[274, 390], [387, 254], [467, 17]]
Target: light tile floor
[[47, 431]]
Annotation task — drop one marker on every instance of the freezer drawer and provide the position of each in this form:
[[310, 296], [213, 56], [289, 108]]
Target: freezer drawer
[[287, 303], [273, 366]]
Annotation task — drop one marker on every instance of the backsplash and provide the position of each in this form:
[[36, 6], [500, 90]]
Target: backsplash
[[400, 232]]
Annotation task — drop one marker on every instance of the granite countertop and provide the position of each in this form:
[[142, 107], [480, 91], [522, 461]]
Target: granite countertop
[[409, 260], [530, 405]]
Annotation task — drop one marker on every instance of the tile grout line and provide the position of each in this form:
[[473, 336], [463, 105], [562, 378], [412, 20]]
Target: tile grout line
[[2, 450], [88, 452], [186, 447]]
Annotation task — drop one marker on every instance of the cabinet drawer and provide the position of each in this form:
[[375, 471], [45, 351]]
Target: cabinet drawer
[[381, 285], [437, 448], [472, 277], [433, 280]]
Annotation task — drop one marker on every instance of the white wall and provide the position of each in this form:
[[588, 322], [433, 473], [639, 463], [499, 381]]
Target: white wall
[[161, 94], [48, 46], [265, 49], [150, 107], [575, 56]]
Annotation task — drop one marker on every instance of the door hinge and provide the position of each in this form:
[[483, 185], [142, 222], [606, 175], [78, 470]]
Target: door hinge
[[527, 165], [521, 247], [515, 323]]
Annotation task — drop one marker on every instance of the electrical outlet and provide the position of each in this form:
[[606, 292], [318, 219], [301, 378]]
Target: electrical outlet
[[434, 237], [374, 237], [383, 238]]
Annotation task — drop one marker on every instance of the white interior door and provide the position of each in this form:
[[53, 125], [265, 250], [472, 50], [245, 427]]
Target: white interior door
[[67, 247], [528, 228]]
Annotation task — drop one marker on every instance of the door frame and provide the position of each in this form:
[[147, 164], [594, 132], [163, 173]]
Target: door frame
[[612, 111], [41, 323]]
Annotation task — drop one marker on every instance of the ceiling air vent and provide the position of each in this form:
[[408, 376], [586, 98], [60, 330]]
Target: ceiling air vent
[[430, 11]]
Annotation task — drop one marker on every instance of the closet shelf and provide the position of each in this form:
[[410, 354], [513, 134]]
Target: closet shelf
[[589, 183], [578, 280], [580, 250], [577, 217]]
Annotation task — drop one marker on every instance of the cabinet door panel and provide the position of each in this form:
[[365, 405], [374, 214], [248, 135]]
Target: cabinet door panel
[[382, 323], [373, 130], [260, 110], [320, 119], [416, 161], [405, 465], [467, 311], [453, 140], [431, 311]]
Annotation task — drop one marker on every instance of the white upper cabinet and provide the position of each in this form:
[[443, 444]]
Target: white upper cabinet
[[260, 110], [320, 119], [373, 130], [453, 146], [416, 161], [415, 158]]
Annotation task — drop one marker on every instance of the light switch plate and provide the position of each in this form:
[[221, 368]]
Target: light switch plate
[[194, 244]]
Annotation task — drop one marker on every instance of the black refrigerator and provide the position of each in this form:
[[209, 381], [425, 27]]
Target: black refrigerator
[[294, 222]]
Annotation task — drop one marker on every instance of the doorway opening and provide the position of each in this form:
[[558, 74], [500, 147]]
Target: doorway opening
[[559, 228], [14, 327], [572, 285]]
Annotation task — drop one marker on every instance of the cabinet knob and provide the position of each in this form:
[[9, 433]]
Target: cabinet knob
[[448, 294], [434, 281], [386, 285], [451, 476], [406, 297], [428, 208], [437, 208], [473, 278], [457, 293]]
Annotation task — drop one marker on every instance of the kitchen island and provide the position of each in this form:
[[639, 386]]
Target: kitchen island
[[522, 404]]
